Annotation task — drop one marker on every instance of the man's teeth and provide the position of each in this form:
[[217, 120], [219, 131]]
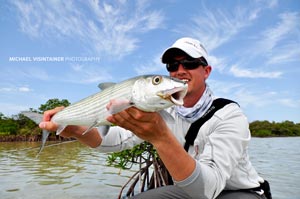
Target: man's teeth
[[185, 80]]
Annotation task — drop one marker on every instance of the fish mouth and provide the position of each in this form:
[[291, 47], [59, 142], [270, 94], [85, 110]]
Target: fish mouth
[[174, 95]]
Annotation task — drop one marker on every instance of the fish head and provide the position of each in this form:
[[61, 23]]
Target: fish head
[[156, 92]]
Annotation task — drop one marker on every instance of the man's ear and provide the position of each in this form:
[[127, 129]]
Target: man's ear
[[207, 71]]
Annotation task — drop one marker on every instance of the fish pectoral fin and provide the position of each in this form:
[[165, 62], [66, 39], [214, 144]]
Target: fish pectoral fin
[[167, 117], [103, 130], [90, 128], [60, 129], [117, 105]]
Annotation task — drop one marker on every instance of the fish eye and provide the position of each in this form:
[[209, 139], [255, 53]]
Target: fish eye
[[156, 80]]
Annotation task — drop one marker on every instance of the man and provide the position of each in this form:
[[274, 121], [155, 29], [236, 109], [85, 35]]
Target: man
[[215, 166]]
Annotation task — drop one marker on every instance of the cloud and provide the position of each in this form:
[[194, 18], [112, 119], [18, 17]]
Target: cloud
[[24, 89], [248, 73], [6, 89], [280, 43], [15, 89], [13, 73], [272, 3], [217, 63], [248, 97], [86, 74], [10, 108], [288, 102], [283, 54], [152, 67], [241, 93], [106, 27], [215, 27], [255, 98], [222, 88]]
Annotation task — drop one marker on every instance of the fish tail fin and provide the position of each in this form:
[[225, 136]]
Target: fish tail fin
[[37, 118], [45, 136]]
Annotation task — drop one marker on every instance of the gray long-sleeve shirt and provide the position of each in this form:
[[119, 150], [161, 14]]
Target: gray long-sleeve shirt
[[220, 152]]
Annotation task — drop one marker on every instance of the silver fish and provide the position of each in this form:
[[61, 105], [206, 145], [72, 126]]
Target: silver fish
[[150, 93]]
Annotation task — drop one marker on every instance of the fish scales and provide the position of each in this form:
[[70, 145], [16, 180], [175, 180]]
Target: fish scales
[[85, 111]]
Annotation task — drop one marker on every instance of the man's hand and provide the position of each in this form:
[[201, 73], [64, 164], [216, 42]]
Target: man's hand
[[46, 123], [149, 126]]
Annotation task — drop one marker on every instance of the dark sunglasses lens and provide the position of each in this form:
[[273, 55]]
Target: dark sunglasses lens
[[191, 65], [187, 64], [172, 67]]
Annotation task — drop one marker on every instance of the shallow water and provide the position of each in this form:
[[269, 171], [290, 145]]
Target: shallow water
[[74, 171], [278, 161], [65, 171]]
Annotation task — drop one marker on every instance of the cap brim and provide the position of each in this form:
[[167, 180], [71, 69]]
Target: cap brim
[[170, 53]]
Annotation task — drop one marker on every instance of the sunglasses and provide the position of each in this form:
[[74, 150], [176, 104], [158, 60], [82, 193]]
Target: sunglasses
[[187, 64]]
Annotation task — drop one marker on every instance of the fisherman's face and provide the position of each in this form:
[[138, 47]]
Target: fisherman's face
[[194, 77]]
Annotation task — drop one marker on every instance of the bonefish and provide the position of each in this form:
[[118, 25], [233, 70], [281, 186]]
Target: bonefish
[[150, 93]]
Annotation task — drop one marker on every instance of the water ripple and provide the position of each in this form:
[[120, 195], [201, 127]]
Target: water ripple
[[72, 171]]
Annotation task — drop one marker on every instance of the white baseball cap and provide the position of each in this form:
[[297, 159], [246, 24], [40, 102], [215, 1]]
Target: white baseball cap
[[190, 46]]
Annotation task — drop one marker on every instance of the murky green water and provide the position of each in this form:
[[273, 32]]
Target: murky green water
[[65, 171], [75, 171]]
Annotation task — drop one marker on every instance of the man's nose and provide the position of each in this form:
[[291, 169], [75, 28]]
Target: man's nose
[[181, 68]]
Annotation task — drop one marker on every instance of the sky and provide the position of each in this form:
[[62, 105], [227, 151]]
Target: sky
[[64, 49]]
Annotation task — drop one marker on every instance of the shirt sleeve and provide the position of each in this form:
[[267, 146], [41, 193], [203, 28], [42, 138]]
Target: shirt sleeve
[[225, 139]]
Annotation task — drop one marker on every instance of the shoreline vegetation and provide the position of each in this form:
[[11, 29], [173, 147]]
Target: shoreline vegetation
[[31, 138], [20, 128]]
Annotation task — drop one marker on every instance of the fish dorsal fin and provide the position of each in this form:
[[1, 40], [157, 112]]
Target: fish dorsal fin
[[105, 85]]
